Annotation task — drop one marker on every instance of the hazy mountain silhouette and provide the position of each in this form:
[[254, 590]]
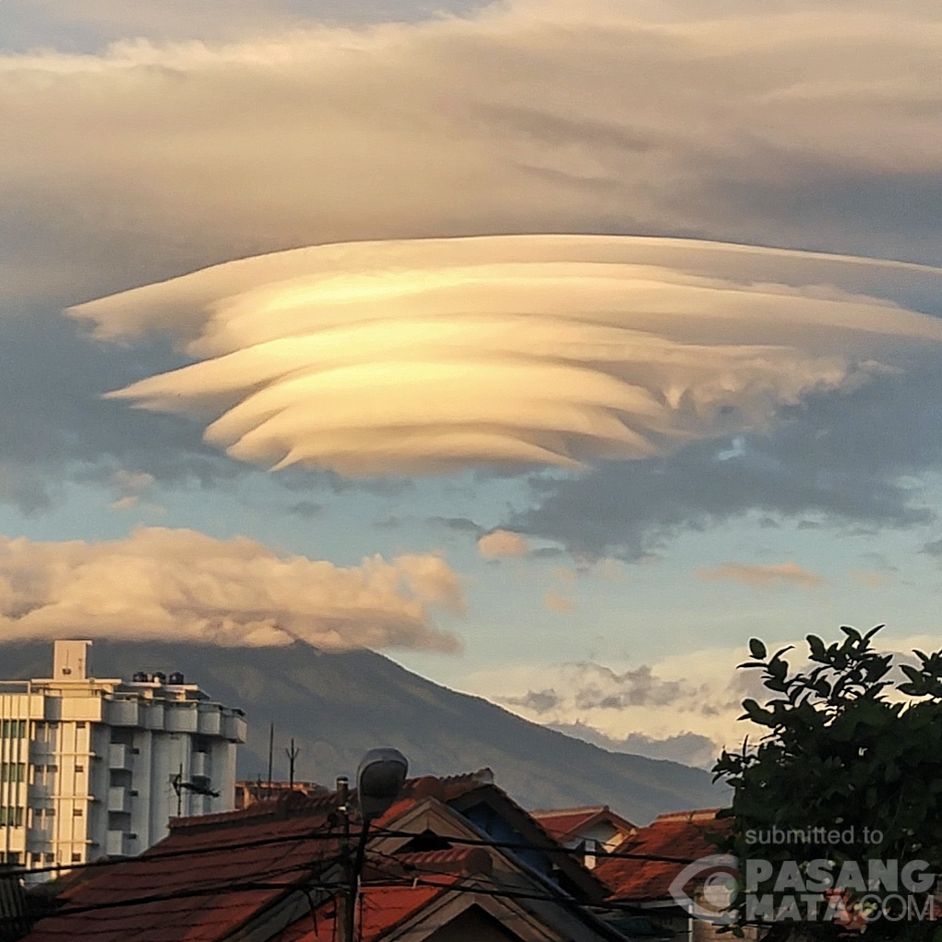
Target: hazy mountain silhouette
[[338, 705]]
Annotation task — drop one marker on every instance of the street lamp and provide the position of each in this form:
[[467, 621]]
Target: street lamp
[[380, 778]]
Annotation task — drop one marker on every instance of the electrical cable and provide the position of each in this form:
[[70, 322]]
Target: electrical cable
[[257, 881], [315, 835]]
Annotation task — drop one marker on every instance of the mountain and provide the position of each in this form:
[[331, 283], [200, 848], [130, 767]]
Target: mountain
[[338, 705]]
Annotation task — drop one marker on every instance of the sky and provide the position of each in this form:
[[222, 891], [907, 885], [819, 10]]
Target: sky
[[552, 349]]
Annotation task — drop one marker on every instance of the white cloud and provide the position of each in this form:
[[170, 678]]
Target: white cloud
[[687, 747], [761, 576], [697, 692], [502, 543], [430, 355], [180, 584], [652, 708]]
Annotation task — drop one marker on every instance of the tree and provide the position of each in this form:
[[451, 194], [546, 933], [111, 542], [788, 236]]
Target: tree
[[845, 786]]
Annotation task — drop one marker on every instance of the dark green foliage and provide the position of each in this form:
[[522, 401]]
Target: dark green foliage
[[854, 745]]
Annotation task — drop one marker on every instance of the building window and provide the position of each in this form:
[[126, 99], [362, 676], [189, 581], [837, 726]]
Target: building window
[[80, 724], [77, 812], [13, 729], [11, 817], [79, 768], [76, 858], [12, 771]]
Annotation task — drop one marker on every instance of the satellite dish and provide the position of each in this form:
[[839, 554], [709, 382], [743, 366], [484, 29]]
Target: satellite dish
[[380, 778]]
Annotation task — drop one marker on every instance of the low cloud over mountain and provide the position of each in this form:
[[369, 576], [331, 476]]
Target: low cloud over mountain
[[160, 583]]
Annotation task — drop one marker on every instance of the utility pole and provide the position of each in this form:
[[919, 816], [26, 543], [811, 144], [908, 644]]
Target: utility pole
[[292, 754], [346, 904], [271, 755]]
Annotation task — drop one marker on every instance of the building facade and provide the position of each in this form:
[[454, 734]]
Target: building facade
[[91, 768]]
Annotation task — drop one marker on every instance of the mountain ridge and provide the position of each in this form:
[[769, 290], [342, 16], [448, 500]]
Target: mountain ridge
[[336, 705]]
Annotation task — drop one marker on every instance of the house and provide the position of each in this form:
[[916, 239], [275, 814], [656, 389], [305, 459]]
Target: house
[[667, 851], [595, 830], [453, 858]]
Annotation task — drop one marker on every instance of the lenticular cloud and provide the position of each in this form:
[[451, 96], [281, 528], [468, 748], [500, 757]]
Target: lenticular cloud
[[428, 355]]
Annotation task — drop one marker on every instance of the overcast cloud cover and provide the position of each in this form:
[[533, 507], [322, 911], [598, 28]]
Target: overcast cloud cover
[[691, 387], [799, 125]]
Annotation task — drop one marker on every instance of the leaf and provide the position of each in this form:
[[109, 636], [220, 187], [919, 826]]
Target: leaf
[[757, 714], [816, 645], [757, 648]]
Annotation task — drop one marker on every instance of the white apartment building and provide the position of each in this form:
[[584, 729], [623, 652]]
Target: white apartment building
[[92, 768]]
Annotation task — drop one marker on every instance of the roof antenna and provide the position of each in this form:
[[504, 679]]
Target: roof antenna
[[292, 755]]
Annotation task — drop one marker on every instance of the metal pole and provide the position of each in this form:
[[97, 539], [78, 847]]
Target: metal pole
[[353, 887], [346, 902], [271, 754]]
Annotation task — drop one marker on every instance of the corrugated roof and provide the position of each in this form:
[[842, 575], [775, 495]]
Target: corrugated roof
[[681, 834]]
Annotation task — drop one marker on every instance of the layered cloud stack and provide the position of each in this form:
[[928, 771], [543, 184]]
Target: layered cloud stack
[[429, 355]]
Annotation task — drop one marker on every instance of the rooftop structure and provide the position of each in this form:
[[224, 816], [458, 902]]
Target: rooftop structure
[[440, 864]]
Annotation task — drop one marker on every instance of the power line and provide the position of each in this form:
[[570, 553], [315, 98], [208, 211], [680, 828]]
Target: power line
[[339, 835], [305, 883], [550, 849], [257, 882], [170, 854]]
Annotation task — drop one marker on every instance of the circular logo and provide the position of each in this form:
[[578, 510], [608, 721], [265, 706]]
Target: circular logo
[[706, 888]]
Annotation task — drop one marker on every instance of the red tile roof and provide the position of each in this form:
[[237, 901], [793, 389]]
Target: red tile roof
[[381, 909], [215, 872], [565, 822], [203, 881], [684, 835]]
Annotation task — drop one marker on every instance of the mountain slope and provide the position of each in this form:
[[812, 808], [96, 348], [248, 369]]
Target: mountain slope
[[338, 705]]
